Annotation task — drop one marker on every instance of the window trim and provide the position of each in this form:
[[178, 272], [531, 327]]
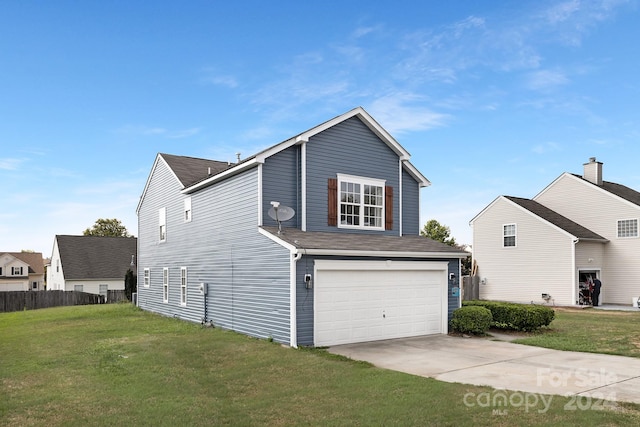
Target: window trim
[[165, 285], [183, 286], [629, 236], [146, 278], [362, 181], [188, 213], [162, 224], [514, 235]]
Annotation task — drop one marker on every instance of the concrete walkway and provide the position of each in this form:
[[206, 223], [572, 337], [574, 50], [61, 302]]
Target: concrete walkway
[[505, 365]]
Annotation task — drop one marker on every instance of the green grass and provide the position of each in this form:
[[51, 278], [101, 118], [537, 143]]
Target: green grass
[[117, 365], [592, 331]]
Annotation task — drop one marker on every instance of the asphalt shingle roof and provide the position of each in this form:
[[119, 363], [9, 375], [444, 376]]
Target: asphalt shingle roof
[[96, 257], [361, 242], [190, 170], [34, 259], [556, 219]]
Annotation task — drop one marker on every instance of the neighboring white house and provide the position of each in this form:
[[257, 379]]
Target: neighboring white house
[[577, 228], [92, 264], [21, 271]]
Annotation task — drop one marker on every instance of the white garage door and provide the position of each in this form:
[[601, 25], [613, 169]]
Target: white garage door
[[358, 301]]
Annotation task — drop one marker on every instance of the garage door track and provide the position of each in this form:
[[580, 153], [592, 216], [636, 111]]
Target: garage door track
[[504, 365]]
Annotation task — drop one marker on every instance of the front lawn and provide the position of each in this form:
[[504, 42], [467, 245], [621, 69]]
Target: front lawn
[[590, 330], [117, 365]]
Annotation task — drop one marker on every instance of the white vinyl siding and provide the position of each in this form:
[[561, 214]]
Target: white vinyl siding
[[183, 285], [567, 196], [542, 262], [628, 228], [360, 202], [165, 285]]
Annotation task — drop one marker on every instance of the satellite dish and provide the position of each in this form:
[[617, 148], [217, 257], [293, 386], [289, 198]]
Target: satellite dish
[[280, 213]]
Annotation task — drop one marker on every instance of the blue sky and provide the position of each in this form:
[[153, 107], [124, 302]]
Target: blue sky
[[490, 98]]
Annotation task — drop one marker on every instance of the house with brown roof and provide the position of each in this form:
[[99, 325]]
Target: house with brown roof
[[92, 264], [552, 247], [312, 241], [21, 271]]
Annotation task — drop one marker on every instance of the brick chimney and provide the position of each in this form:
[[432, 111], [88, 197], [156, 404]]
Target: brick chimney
[[593, 171]]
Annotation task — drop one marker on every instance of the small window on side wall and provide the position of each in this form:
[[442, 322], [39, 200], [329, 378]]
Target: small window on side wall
[[628, 228], [187, 209], [509, 235], [162, 222]]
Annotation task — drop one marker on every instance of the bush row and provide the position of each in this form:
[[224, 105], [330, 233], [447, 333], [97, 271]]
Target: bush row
[[517, 317], [471, 320]]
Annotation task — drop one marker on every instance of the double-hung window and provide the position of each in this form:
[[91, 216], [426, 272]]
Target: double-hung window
[[165, 285], [628, 228], [147, 277], [361, 202], [183, 285], [509, 235]]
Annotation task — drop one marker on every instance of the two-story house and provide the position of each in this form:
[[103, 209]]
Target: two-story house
[[343, 263], [91, 264], [577, 229], [21, 271]]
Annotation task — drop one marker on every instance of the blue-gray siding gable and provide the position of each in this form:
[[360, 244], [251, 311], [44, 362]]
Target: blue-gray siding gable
[[349, 148]]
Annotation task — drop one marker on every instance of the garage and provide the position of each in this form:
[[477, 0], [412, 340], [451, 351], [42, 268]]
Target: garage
[[359, 301]]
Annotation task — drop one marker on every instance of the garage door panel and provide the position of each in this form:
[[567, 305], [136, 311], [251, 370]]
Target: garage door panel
[[363, 305]]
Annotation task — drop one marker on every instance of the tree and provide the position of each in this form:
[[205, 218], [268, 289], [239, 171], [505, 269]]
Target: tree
[[107, 227], [438, 232], [441, 233]]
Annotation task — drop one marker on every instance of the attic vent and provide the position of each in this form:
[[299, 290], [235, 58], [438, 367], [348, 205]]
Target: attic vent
[[209, 170], [238, 157]]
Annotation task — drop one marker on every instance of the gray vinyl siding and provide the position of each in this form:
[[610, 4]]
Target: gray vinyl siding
[[247, 274], [305, 297], [281, 183], [410, 205], [349, 148]]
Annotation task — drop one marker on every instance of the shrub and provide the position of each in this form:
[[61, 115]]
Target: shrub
[[471, 320], [518, 317]]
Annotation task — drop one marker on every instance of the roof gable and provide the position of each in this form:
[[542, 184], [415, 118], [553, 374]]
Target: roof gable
[[358, 112], [33, 259], [95, 257], [556, 219]]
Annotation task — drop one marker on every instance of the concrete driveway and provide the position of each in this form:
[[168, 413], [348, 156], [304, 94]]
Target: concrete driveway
[[506, 366]]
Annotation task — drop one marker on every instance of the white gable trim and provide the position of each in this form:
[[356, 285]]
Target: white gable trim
[[153, 169], [591, 185], [422, 180]]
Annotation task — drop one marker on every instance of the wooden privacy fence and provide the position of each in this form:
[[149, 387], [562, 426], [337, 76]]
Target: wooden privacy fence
[[31, 300]]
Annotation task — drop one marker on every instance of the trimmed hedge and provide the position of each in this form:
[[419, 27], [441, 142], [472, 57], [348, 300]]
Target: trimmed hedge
[[517, 317], [471, 320]]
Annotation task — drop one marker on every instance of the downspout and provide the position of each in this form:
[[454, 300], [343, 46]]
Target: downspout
[[574, 280], [400, 198], [293, 305], [303, 185]]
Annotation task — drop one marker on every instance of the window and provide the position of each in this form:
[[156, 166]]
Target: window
[[187, 209], [34, 285], [509, 235], [104, 291], [78, 288], [183, 285], [0, 271], [165, 285], [147, 277], [361, 202], [162, 221], [628, 228], [16, 271]]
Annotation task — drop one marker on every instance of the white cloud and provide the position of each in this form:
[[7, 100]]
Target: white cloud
[[403, 112], [546, 79], [11, 164], [546, 148], [158, 131]]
